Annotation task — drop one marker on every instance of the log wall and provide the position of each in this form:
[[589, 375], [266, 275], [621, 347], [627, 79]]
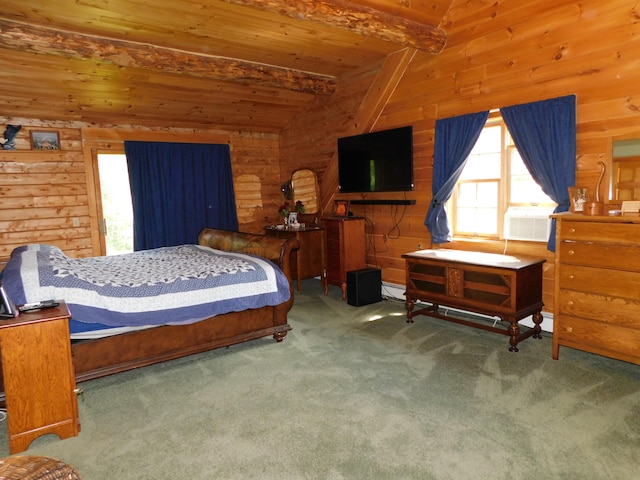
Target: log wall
[[498, 53], [48, 196]]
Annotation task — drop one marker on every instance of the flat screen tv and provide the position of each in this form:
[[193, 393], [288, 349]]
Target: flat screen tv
[[376, 162]]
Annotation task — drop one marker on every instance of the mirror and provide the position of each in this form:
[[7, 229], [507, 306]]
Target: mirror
[[625, 170], [304, 184]]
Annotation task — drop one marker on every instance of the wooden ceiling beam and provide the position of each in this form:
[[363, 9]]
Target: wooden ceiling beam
[[42, 40], [359, 19]]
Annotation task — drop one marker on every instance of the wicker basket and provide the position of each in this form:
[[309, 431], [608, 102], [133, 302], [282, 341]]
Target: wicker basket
[[36, 468]]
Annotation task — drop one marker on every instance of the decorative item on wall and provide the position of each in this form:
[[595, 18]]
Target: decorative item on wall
[[45, 140], [596, 207], [10, 137], [287, 190], [341, 208], [578, 197]]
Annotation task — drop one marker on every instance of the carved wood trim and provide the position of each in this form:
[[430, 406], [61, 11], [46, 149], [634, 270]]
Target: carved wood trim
[[41, 40]]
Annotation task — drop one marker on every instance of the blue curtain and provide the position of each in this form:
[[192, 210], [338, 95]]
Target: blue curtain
[[454, 140], [177, 189], [545, 135]]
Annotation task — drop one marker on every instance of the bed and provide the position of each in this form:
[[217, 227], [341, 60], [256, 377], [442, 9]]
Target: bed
[[122, 332]]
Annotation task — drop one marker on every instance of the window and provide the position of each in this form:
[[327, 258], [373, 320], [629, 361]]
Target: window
[[117, 223], [495, 188]]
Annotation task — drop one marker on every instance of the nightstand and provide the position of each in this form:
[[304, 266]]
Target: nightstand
[[308, 260], [39, 378]]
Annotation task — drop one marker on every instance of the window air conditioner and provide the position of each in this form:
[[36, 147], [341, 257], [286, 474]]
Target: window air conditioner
[[531, 224]]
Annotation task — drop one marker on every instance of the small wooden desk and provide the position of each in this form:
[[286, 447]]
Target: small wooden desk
[[39, 378], [309, 260], [502, 286]]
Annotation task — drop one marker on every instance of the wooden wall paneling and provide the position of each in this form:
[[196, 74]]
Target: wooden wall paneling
[[42, 40], [362, 20], [257, 154], [251, 154], [248, 195], [380, 90], [50, 197], [512, 53], [310, 139], [373, 111], [380, 81], [497, 54], [44, 196]]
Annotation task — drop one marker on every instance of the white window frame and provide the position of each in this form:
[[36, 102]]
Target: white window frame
[[504, 205]]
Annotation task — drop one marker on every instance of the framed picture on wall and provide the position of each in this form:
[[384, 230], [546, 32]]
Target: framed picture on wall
[[341, 208], [49, 140]]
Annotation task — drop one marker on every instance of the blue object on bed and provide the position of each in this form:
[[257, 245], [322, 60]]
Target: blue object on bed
[[170, 285]]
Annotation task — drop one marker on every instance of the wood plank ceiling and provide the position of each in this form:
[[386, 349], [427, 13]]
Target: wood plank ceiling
[[232, 64]]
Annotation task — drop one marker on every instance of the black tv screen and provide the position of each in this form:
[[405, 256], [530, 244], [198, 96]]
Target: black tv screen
[[376, 162]]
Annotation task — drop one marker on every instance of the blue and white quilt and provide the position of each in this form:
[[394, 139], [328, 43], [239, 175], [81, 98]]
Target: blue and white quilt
[[170, 285]]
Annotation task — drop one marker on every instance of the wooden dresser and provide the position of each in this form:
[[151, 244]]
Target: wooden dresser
[[345, 249], [39, 378], [597, 285]]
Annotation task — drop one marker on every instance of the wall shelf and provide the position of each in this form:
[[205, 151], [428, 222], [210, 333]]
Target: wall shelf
[[382, 202]]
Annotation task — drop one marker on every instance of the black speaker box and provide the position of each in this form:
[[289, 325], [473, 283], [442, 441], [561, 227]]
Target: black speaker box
[[364, 286]]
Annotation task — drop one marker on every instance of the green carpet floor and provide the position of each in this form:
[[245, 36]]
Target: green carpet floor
[[357, 393]]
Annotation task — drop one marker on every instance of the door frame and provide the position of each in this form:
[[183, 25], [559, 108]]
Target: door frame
[[108, 140]]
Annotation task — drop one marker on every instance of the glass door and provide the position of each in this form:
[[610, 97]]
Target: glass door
[[116, 224]]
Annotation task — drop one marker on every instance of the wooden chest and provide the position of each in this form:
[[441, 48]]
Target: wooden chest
[[502, 286]]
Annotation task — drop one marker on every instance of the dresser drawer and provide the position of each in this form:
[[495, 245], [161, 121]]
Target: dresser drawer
[[604, 308], [609, 256], [598, 232], [614, 283], [598, 337]]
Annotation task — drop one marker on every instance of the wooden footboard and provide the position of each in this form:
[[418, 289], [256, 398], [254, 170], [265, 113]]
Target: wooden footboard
[[109, 355]]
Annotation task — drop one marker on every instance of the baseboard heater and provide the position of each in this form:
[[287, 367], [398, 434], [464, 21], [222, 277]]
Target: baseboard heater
[[382, 202]]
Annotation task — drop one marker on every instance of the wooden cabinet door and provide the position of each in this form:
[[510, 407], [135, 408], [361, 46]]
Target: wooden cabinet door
[[345, 249], [39, 380]]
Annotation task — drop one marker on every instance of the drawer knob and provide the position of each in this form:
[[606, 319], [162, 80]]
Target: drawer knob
[[572, 230], [571, 277], [569, 329], [570, 303], [571, 252]]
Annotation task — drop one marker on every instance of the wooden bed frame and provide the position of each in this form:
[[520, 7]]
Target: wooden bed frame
[[109, 355]]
